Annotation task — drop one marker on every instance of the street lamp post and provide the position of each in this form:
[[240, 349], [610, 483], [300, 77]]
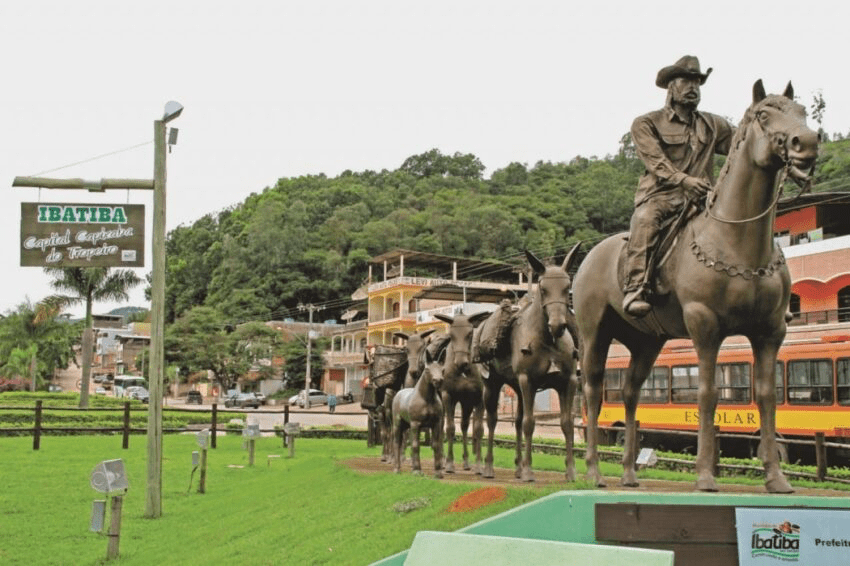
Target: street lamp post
[[153, 497]]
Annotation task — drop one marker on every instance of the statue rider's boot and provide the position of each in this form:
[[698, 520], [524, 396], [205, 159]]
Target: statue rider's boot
[[635, 304]]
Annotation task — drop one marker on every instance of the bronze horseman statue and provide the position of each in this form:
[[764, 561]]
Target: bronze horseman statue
[[677, 145]]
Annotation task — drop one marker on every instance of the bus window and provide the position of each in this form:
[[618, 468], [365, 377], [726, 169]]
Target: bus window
[[685, 384], [655, 388], [780, 385], [810, 382], [733, 383], [843, 370], [613, 385]]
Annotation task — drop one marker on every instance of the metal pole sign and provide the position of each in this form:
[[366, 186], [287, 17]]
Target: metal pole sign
[[82, 235]]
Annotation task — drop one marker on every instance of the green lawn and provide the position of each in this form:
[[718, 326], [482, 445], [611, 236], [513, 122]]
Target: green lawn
[[306, 510]]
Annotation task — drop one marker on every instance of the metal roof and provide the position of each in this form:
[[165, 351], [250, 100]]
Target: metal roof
[[473, 294], [469, 268]]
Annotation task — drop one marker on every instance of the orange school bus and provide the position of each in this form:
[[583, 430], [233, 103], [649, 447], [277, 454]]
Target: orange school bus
[[812, 395]]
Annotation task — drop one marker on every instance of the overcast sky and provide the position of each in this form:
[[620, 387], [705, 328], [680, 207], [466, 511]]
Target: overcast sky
[[281, 88]]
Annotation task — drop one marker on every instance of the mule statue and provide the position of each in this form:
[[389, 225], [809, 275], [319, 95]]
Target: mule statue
[[387, 371], [722, 276], [461, 385], [540, 354], [417, 408], [414, 346]]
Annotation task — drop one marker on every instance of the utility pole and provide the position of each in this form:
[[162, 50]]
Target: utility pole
[[310, 308]]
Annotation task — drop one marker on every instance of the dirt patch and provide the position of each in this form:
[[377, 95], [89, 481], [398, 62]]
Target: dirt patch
[[478, 498], [505, 477]]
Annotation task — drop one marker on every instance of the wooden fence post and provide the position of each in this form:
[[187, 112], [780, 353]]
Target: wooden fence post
[[202, 484], [214, 423], [36, 431], [126, 442], [114, 527], [820, 455], [285, 422]]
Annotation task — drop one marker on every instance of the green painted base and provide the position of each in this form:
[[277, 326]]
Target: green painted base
[[568, 516]]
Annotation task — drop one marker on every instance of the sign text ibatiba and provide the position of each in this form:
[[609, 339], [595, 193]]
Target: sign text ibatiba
[[82, 235]]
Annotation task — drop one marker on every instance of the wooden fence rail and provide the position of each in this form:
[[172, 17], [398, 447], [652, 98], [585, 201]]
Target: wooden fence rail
[[38, 430]]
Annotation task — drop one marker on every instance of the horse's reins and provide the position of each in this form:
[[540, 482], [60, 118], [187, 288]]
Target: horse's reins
[[778, 189]]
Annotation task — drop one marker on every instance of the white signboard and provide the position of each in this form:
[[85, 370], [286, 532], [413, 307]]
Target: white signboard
[[781, 535]]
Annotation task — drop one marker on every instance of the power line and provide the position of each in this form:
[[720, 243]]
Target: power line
[[94, 158]]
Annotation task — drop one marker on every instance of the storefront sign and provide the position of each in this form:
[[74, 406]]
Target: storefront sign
[[781, 535], [82, 235]]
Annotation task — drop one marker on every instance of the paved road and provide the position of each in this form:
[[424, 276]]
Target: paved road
[[350, 414]]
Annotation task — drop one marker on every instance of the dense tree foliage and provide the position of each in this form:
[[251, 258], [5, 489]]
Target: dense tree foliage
[[23, 335], [308, 239], [202, 340]]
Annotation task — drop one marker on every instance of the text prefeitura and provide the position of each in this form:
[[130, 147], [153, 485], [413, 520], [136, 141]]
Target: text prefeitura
[[832, 542]]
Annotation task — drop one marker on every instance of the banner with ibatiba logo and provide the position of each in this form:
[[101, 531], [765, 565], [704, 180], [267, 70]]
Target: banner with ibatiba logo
[[82, 235], [808, 537]]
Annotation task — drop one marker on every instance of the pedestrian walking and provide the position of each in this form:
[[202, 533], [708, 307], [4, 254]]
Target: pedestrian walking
[[331, 403]]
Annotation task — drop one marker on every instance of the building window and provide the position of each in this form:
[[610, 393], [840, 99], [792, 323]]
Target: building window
[[844, 304], [794, 305]]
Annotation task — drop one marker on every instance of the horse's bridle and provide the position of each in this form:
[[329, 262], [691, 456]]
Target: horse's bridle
[[553, 301], [787, 169]]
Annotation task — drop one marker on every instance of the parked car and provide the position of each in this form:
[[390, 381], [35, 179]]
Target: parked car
[[242, 400], [100, 391], [53, 388], [137, 392], [316, 398], [260, 397], [194, 397]]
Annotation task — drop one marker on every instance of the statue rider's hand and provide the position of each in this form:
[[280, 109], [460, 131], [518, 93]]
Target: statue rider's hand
[[695, 188]]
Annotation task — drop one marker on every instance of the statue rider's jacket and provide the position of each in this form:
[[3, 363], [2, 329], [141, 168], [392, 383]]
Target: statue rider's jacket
[[672, 149]]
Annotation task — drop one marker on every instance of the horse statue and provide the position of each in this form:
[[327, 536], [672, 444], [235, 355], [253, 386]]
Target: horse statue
[[415, 408], [723, 276], [461, 385], [541, 354]]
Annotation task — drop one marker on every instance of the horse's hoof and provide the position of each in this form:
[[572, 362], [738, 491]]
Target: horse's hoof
[[466, 466], [629, 479], [570, 475], [778, 484], [488, 472], [449, 468], [438, 475], [596, 479], [706, 483], [528, 477]]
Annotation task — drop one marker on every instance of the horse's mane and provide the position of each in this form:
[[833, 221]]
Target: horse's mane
[[775, 100]]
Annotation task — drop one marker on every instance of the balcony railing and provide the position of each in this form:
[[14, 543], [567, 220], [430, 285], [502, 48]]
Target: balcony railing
[[821, 317]]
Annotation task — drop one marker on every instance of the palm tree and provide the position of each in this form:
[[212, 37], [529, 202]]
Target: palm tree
[[87, 285]]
